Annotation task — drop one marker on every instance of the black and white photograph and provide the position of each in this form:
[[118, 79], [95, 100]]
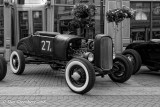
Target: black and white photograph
[[79, 53]]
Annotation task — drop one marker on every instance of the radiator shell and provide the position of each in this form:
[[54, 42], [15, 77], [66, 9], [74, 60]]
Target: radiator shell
[[103, 53]]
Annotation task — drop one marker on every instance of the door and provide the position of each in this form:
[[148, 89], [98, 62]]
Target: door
[[29, 21], [1, 27], [24, 30], [37, 21]]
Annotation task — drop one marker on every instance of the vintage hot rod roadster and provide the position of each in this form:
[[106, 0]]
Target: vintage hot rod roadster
[[144, 53], [82, 59]]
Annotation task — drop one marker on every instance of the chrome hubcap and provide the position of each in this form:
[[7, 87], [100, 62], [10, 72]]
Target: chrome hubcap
[[14, 62], [130, 58], [76, 76]]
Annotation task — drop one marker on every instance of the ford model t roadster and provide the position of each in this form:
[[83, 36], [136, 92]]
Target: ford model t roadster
[[82, 59]]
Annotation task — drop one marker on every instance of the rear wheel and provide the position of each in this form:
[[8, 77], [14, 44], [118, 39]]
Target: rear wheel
[[54, 66], [3, 68], [80, 75], [135, 58], [17, 62], [122, 69]]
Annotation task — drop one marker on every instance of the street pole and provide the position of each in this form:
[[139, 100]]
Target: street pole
[[101, 18]]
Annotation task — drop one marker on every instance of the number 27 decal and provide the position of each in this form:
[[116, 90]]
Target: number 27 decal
[[45, 45]]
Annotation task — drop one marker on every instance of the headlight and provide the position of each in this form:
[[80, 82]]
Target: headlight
[[89, 56], [114, 53]]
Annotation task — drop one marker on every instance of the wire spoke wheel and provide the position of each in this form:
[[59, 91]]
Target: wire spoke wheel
[[134, 58], [119, 69], [80, 75], [122, 69], [131, 58]]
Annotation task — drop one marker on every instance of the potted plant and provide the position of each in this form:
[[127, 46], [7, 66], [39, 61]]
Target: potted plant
[[83, 18]]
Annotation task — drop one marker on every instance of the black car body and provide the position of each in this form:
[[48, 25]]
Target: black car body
[[149, 53], [82, 59]]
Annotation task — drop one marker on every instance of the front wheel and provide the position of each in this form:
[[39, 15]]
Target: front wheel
[[80, 75], [17, 62], [122, 69]]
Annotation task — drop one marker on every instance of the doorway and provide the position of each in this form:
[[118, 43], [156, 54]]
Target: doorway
[[29, 21], [1, 27]]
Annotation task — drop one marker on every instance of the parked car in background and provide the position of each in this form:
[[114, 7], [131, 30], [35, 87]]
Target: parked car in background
[[82, 59], [146, 53]]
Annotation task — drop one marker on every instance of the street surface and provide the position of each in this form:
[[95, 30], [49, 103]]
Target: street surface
[[39, 86]]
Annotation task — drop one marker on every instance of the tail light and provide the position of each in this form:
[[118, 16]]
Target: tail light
[[103, 52]]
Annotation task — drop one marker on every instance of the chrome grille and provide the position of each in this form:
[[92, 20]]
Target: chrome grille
[[103, 54], [106, 53]]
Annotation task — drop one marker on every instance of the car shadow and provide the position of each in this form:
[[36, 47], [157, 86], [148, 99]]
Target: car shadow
[[148, 72]]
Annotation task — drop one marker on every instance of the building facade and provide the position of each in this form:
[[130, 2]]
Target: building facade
[[20, 18]]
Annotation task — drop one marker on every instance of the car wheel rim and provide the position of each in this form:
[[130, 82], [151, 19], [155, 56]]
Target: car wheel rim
[[131, 58], [15, 62], [119, 69], [77, 76]]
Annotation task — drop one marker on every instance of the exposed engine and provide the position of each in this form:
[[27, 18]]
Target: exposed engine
[[79, 48]]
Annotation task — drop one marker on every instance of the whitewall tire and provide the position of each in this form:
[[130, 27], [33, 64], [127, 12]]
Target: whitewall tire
[[80, 75], [17, 62]]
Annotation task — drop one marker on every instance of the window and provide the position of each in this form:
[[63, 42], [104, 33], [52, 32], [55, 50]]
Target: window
[[12, 27], [156, 14], [37, 21], [1, 2], [1, 27], [21, 1], [71, 2], [23, 24], [141, 23], [146, 24], [156, 20], [142, 15], [62, 16]]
